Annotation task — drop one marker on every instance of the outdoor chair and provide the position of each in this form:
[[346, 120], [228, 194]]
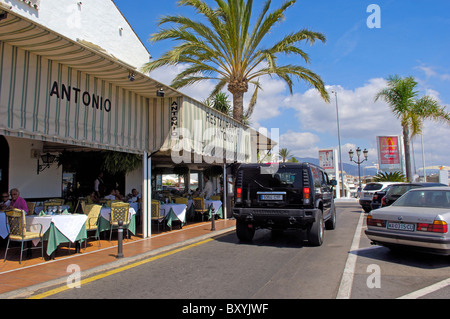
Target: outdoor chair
[[81, 204], [31, 206], [18, 232], [215, 197], [119, 211], [181, 200], [199, 206], [92, 211], [157, 217]]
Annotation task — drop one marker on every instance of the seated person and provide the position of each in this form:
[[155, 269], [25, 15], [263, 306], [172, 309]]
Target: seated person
[[17, 201], [92, 198], [134, 197], [112, 195], [4, 201]]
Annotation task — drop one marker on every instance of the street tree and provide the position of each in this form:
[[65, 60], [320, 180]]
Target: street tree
[[230, 46], [405, 103]]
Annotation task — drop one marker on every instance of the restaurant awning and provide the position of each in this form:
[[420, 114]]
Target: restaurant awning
[[58, 90]]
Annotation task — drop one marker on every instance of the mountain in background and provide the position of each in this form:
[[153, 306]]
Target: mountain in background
[[350, 169]]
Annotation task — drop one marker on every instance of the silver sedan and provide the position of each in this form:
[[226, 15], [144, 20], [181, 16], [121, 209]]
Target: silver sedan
[[419, 219]]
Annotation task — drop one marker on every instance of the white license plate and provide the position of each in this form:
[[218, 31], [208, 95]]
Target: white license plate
[[271, 197], [401, 226]]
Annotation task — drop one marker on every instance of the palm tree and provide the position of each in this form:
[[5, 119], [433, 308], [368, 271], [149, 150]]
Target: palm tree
[[390, 177], [403, 99], [225, 48], [220, 103], [284, 154]]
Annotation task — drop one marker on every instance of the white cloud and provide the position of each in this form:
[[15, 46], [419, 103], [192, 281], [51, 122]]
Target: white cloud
[[360, 118]]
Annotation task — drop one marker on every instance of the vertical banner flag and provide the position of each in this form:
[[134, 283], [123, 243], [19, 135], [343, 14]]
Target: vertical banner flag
[[326, 159], [389, 153]]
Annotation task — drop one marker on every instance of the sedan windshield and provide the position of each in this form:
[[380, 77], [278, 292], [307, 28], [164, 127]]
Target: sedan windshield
[[425, 198]]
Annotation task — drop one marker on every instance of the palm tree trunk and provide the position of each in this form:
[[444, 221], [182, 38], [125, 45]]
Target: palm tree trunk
[[238, 105], [407, 142]]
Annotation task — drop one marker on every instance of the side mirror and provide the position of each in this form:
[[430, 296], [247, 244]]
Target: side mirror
[[333, 182]]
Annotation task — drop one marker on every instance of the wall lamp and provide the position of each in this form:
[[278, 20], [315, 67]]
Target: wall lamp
[[47, 160], [160, 92], [131, 76]]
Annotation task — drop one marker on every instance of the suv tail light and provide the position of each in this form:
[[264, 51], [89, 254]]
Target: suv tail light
[[239, 194], [383, 201], [438, 226], [306, 195]]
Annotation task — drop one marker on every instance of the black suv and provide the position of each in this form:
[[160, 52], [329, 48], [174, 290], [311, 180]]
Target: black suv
[[284, 196]]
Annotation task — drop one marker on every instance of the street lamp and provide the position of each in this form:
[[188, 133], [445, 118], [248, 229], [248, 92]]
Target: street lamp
[[358, 153], [339, 141]]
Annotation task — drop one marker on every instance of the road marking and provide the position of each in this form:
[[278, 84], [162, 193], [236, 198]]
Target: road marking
[[427, 290], [345, 288], [120, 269]]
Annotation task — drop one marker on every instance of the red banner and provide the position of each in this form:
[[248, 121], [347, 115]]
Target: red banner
[[389, 150]]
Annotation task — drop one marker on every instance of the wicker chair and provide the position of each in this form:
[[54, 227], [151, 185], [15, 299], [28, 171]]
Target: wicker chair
[[157, 217], [215, 197], [199, 206], [18, 231], [92, 211], [31, 207], [181, 200], [119, 211]]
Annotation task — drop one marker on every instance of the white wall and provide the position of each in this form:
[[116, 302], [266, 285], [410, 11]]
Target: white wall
[[96, 21], [23, 171]]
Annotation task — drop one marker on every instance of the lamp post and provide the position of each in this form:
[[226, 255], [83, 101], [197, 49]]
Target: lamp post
[[339, 141], [358, 153]]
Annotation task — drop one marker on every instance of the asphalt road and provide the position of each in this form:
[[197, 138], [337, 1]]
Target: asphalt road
[[279, 266]]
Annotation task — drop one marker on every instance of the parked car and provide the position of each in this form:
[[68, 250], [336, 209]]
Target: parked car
[[365, 199], [418, 220], [396, 190], [290, 196], [378, 196]]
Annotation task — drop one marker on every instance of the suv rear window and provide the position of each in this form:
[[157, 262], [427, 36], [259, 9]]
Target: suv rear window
[[373, 187], [283, 177]]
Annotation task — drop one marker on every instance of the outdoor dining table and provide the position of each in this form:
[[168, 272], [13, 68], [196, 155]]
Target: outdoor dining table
[[3, 225], [58, 229], [174, 212], [105, 217], [209, 204]]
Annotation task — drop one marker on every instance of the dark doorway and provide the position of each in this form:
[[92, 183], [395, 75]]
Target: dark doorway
[[4, 164]]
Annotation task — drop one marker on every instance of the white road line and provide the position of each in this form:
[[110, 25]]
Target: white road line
[[345, 288], [427, 290]]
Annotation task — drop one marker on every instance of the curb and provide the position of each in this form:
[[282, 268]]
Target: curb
[[28, 291]]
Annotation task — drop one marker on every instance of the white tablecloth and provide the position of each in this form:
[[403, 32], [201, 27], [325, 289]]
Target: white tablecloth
[[3, 225], [215, 203], [69, 225], [178, 209]]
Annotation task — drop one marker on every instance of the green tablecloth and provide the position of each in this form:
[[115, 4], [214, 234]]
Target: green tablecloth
[[54, 238], [104, 225], [171, 216], [191, 212]]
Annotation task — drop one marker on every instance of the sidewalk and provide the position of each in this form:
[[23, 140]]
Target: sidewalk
[[20, 280]]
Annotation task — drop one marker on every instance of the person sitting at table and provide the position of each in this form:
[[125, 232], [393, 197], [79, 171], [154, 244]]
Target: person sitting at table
[[118, 195], [134, 197], [92, 198], [17, 201], [112, 194], [4, 201]]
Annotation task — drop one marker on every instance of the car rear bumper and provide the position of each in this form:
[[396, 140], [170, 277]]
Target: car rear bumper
[[276, 217], [440, 245]]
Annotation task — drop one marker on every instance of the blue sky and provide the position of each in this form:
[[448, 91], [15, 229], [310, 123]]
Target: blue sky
[[355, 60]]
